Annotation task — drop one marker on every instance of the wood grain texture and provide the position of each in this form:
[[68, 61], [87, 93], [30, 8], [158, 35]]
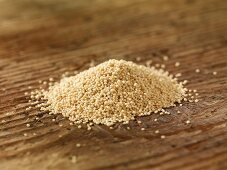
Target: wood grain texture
[[45, 38]]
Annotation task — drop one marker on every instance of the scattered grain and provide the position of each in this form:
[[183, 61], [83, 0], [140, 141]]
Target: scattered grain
[[92, 63], [76, 72], [197, 70], [74, 159], [188, 122], [8, 113], [185, 82], [139, 122], [163, 66], [88, 127], [157, 65], [163, 136], [178, 75], [157, 131], [177, 64], [148, 63], [78, 145], [50, 84], [138, 59], [165, 58], [28, 108]]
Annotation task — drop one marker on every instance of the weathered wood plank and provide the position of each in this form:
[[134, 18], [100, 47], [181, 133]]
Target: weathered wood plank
[[39, 39]]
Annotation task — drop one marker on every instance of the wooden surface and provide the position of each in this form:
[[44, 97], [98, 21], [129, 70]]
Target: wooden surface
[[44, 38]]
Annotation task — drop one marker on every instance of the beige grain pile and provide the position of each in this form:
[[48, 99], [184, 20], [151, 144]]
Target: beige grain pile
[[114, 91]]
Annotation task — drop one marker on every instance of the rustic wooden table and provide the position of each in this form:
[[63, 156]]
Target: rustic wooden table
[[45, 38]]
